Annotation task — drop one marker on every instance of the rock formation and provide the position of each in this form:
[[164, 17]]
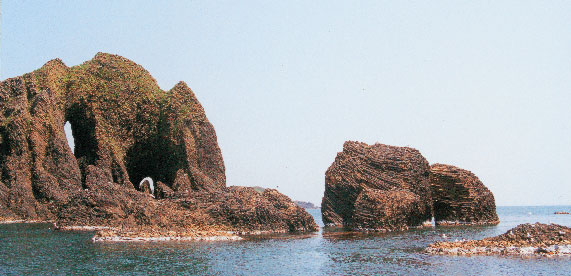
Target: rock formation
[[125, 129], [387, 188], [377, 187], [460, 197], [524, 239]]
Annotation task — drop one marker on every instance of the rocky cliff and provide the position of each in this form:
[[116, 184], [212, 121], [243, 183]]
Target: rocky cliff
[[460, 197], [377, 187], [125, 129]]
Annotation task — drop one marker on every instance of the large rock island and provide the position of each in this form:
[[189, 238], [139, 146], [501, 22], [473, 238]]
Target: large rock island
[[377, 187], [126, 130], [386, 188]]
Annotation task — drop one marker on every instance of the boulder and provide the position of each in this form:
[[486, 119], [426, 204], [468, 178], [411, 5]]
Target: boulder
[[377, 187], [125, 128], [181, 182], [163, 191], [460, 197]]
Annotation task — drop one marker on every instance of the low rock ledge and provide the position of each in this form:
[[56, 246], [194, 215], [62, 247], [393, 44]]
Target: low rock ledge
[[524, 239]]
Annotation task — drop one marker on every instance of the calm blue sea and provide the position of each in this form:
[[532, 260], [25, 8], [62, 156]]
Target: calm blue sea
[[36, 249]]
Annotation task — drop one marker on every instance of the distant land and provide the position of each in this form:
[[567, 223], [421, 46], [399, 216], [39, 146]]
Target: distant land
[[306, 205]]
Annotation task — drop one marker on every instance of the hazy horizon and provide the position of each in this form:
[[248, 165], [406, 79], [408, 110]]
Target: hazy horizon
[[484, 86]]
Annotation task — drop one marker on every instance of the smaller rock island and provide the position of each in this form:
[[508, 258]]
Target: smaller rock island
[[524, 239]]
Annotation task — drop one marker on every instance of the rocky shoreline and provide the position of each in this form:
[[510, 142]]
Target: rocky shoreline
[[524, 239]]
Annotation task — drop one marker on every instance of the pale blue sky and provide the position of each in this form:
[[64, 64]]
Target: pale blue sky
[[484, 85]]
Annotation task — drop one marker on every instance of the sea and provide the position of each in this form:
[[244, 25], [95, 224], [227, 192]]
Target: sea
[[37, 249]]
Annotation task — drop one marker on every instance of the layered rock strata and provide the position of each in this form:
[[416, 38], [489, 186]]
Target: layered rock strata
[[125, 129], [387, 188], [524, 239], [377, 187], [460, 197]]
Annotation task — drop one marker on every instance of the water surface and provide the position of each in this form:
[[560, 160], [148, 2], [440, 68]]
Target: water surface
[[36, 249]]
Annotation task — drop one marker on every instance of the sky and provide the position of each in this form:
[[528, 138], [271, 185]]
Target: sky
[[482, 85]]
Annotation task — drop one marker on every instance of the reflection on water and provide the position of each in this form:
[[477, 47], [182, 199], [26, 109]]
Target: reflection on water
[[37, 249]]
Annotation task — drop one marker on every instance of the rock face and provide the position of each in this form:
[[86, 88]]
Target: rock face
[[377, 187], [524, 239], [125, 129], [460, 197]]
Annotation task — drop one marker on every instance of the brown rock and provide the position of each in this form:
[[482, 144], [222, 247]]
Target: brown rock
[[460, 197], [181, 182], [125, 129], [379, 210], [524, 239], [163, 191], [253, 212], [373, 186]]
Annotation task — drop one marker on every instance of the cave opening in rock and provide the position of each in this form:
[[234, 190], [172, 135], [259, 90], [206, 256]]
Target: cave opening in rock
[[442, 211], [83, 135], [69, 135], [156, 156]]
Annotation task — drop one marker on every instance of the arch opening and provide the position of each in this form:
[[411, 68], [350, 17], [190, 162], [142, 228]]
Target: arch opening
[[82, 133]]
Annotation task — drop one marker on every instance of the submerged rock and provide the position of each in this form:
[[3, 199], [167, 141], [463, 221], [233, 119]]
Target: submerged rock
[[524, 239], [125, 128], [460, 198], [377, 187]]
